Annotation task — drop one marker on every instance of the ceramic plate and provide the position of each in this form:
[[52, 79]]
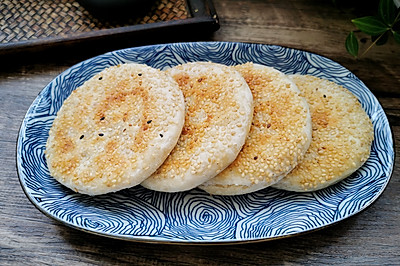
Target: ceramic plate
[[194, 216]]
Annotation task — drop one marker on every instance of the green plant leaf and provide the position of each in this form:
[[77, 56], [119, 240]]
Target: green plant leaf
[[352, 44], [387, 11], [396, 36], [370, 25], [381, 39]]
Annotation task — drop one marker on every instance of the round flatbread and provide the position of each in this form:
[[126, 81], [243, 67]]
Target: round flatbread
[[341, 138], [219, 109], [116, 129], [279, 136]]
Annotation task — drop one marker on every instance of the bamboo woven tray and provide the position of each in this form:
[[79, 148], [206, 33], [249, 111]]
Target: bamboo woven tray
[[26, 24]]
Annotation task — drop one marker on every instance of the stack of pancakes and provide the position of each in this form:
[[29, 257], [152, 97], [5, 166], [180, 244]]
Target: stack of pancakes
[[227, 130]]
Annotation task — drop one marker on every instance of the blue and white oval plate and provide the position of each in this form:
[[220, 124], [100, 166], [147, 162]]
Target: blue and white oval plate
[[196, 217]]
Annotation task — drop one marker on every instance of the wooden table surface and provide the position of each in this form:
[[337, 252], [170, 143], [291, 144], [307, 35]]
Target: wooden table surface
[[370, 237]]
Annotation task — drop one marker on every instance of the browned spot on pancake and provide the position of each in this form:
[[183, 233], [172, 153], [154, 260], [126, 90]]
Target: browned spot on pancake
[[182, 79], [321, 119], [111, 146], [115, 101], [65, 143]]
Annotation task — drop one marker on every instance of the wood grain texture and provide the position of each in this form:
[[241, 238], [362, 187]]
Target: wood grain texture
[[370, 237]]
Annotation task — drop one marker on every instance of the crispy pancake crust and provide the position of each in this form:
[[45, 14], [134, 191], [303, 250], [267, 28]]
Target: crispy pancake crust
[[219, 108], [341, 139], [115, 130], [279, 136]]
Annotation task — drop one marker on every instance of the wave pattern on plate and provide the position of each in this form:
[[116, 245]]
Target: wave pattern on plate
[[206, 218], [282, 219], [195, 216]]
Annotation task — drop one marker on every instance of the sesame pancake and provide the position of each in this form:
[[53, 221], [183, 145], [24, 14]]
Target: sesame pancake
[[115, 130], [219, 109], [279, 136], [341, 137]]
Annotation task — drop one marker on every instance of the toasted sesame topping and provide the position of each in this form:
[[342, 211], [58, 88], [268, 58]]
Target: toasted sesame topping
[[341, 137], [279, 136], [218, 116], [117, 151]]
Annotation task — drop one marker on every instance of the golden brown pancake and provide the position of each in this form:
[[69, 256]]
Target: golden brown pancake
[[115, 130], [341, 137], [279, 136], [219, 108]]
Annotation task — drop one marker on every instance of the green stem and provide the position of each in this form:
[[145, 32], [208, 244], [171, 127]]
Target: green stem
[[395, 20], [372, 44], [380, 36]]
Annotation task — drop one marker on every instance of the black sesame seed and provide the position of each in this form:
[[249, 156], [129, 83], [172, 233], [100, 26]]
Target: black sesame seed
[[81, 137], [102, 118], [255, 157], [148, 122], [100, 78], [324, 96], [139, 74], [101, 134], [161, 135]]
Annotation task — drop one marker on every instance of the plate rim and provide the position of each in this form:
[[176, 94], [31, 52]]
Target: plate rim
[[161, 240]]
